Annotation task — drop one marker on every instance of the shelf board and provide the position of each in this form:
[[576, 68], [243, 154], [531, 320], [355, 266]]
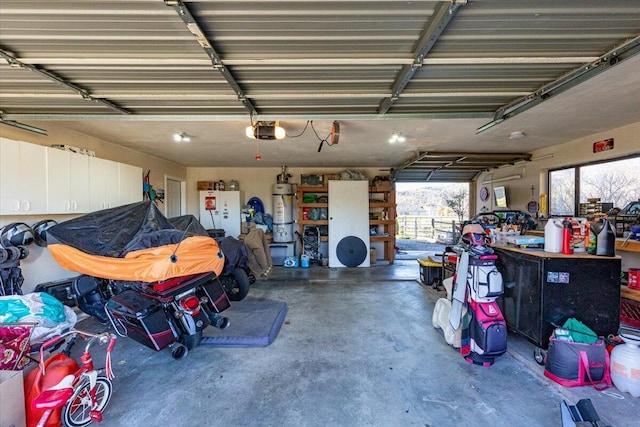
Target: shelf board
[[313, 189], [629, 246], [313, 205], [311, 222], [380, 205], [382, 221], [380, 238], [627, 293]]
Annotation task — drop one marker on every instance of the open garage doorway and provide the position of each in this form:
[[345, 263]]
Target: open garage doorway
[[428, 215]]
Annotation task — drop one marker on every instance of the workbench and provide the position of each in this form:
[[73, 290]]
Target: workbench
[[544, 289]]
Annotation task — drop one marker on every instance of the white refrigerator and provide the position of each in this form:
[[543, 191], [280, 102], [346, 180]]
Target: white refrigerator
[[222, 209]]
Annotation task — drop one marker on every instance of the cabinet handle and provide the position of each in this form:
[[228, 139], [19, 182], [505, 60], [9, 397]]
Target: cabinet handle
[[15, 205], [74, 206], [67, 206], [26, 205]]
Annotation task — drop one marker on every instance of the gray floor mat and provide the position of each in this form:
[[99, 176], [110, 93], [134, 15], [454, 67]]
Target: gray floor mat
[[253, 324]]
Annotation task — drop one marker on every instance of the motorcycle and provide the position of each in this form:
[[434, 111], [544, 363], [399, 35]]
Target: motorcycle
[[235, 277], [146, 278]]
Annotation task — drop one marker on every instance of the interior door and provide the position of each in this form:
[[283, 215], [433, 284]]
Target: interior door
[[173, 198], [349, 224]]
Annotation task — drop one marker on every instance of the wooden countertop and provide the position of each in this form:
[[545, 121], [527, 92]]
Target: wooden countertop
[[543, 254], [627, 293]]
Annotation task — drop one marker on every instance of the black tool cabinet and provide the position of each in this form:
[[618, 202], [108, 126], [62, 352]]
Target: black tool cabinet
[[544, 289]]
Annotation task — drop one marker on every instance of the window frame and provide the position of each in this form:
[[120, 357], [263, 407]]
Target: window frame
[[576, 184]]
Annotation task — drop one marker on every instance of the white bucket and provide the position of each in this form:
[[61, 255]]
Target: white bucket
[[553, 236], [625, 364], [283, 232]]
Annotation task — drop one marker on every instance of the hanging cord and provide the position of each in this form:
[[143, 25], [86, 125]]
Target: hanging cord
[[301, 133], [173, 258], [322, 140]]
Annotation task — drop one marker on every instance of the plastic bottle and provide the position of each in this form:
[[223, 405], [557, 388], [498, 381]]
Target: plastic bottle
[[304, 261], [553, 236], [567, 237], [604, 237]]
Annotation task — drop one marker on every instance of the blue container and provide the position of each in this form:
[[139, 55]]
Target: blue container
[[304, 261]]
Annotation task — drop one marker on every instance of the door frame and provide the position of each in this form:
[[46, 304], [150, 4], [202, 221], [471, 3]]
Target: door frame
[[183, 193]]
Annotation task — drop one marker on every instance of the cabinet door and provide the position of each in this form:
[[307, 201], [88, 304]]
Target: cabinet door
[[103, 184], [23, 178], [9, 177], [58, 179], [67, 182], [130, 184], [79, 183], [33, 178]]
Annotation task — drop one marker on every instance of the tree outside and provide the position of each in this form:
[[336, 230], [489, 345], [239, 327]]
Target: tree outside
[[458, 202]]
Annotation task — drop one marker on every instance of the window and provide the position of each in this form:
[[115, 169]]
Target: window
[[616, 182], [562, 190]]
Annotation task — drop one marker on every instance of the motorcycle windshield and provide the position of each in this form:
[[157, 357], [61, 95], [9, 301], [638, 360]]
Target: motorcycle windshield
[[132, 242]]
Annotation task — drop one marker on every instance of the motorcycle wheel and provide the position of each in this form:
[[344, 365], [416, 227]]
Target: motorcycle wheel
[[237, 287], [191, 341]]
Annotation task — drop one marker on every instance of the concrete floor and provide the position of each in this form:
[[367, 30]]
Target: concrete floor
[[357, 348]]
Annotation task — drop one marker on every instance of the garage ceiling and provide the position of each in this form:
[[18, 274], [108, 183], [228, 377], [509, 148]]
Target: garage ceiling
[[134, 72]]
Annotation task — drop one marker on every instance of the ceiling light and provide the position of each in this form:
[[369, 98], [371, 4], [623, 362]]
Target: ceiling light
[[265, 130], [397, 137], [517, 135], [181, 137], [506, 178]]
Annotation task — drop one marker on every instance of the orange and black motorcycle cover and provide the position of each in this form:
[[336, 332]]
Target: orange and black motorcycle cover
[[133, 242]]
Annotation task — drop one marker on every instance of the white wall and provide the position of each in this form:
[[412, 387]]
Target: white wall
[[534, 173], [40, 267], [256, 182]]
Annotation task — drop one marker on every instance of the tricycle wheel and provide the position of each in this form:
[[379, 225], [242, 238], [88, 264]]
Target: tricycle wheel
[[539, 356]]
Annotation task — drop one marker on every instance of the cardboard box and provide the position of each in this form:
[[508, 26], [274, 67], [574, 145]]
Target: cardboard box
[[205, 185], [331, 177], [373, 256], [382, 185], [311, 180], [12, 399]]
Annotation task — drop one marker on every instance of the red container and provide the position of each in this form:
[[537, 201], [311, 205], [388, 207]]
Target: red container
[[633, 278]]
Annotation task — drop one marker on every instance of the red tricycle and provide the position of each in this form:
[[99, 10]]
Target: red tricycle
[[61, 391]]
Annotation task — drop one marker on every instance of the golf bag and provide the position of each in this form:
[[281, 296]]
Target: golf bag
[[486, 335]]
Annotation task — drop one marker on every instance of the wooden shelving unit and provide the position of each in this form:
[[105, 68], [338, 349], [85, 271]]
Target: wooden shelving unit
[[300, 193], [382, 202], [628, 246]]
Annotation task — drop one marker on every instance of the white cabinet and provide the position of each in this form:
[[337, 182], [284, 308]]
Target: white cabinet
[[35, 180], [23, 178], [104, 184], [67, 182], [130, 184]]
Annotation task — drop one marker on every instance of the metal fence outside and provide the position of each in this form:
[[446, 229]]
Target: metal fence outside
[[428, 228]]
